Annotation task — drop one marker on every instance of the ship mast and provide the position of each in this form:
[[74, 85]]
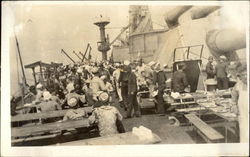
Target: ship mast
[[20, 58]]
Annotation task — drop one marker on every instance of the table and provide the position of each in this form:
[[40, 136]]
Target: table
[[229, 119], [48, 114]]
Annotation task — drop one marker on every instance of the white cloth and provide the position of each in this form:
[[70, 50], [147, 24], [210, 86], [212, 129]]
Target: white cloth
[[116, 75], [243, 112]]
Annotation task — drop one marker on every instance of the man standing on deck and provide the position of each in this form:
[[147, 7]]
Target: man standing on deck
[[160, 85], [221, 73], [132, 92], [123, 82], [210, 68]]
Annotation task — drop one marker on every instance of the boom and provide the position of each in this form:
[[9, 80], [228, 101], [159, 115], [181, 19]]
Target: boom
[[67, 55]]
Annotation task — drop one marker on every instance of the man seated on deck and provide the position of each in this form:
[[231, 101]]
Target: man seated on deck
[[179, 79], [107, 117], [96, 84], [80, 96], [74, 113], [47, 104], [39, 93]]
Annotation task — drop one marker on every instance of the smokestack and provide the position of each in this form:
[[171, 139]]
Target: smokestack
[[171, 17], [225, 42]]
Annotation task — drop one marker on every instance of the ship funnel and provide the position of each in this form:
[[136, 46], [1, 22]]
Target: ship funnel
[[225, 41], [202, 11], [171, 17]]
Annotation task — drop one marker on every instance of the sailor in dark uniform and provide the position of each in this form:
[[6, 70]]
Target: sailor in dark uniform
[[221, 70], [179, 79], [160, 84], [210, 68]]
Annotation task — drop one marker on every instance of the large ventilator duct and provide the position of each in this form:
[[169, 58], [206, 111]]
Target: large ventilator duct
[[202, 11], [225, 42], [171, 17]]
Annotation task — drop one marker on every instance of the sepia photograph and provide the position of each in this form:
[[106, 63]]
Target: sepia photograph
[[125, 74]]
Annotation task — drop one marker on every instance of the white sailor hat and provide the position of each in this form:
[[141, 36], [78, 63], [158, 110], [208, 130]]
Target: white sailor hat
[[46, 95], [94, 70], [223, 57], [72, 99], [151, 63], [79, 70], [39, 86], [126, 62], [165, 65], [103, 96], [72, 102]]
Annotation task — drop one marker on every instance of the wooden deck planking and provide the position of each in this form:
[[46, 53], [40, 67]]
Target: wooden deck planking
[[30, 130], [190, 109], [51, 114], [204, 128]]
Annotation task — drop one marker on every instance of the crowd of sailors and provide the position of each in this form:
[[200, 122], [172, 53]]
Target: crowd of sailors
[[98, 84]]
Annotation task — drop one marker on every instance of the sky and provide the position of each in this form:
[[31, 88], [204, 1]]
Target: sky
[[44, 29]]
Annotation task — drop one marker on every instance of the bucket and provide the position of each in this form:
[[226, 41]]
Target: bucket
[[211, 84]]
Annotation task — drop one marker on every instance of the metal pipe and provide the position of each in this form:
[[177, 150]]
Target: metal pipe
[[171, 17], [226, 40], [202, 11]]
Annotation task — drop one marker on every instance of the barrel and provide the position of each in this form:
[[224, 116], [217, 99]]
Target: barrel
[[211, 84]]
